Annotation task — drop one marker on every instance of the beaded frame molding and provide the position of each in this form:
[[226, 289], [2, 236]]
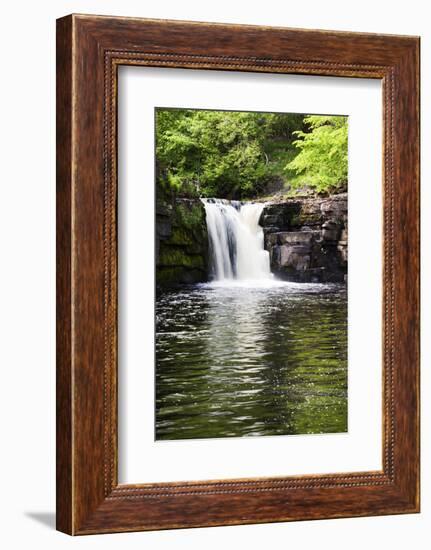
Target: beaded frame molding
[[89, 51]]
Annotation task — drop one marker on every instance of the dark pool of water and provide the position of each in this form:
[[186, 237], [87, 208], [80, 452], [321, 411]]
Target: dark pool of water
[[242, 361]]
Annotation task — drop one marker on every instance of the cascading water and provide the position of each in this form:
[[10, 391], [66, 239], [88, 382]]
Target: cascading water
[[236, 240]]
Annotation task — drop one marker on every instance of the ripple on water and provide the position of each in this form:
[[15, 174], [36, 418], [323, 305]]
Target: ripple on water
[[252, 358]]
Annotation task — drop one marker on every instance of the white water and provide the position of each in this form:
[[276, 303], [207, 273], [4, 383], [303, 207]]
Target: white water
[[236, 241]]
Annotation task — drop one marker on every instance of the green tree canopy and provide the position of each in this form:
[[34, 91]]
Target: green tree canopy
[[231, 154], [322, 160], [214, 152]]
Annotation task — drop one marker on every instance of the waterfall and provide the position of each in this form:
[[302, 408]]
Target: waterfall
[[236, 240]]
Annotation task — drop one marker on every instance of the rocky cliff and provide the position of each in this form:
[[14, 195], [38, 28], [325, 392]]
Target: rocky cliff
[[307, 238], [181, 242]]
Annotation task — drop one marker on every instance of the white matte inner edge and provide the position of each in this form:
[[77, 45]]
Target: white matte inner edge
[[141, 458]]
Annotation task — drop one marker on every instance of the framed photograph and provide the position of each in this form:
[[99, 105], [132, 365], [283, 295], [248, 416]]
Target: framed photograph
[[237, 274]]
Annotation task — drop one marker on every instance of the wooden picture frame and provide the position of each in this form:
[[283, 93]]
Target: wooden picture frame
[[89, 51]]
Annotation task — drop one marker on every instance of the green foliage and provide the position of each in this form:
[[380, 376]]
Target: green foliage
[[283, 125], [322, 159], [210, 153], [234, 154]]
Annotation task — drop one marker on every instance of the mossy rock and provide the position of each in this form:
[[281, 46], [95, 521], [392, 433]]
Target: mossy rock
[[181, 237], [305, 219], [183, 254], [169, 276], [178, 257], [189, 215]]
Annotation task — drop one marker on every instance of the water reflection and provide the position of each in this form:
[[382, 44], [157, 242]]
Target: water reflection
[[244, 360]]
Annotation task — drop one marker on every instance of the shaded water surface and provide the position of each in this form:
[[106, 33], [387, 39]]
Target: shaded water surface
[[242, 360]]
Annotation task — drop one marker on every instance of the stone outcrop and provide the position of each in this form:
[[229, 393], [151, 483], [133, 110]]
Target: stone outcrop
[[181, 242], [307, 238]]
